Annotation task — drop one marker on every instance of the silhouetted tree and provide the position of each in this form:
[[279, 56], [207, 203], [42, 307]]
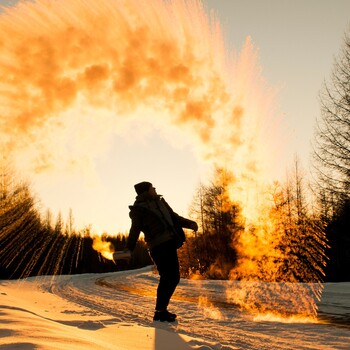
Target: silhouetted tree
[[210, 253], [332, 138], [302, 234], [338, 233], [20, 226], [331, 157]]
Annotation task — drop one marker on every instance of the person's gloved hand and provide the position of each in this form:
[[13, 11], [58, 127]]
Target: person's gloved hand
[[194, 226]]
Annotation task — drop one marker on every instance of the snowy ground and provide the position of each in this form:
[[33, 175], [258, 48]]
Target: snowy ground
[[114, 311]]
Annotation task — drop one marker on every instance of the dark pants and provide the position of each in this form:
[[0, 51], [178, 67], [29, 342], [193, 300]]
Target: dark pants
[[166, 260]]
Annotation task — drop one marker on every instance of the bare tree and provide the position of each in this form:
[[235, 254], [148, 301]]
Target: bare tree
[[303, 245], [211, 252], [332, 164], [331, 153]]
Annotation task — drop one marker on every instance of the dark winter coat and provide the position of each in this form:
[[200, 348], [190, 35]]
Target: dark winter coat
[[158, 222]]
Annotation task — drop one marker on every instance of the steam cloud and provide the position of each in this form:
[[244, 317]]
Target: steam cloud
[[64, 63]]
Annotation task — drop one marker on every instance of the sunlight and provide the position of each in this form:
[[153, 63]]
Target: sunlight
[[271, 317]]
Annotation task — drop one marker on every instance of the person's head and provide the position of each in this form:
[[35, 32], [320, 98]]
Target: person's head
[[145, 186]]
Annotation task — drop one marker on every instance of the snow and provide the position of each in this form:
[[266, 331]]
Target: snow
[[114, 311]]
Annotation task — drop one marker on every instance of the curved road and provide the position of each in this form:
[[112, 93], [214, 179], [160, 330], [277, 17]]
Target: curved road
[[202, 312]]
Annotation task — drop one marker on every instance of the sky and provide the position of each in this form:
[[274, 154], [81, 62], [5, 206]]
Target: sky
[[298, 42], [295, 42]]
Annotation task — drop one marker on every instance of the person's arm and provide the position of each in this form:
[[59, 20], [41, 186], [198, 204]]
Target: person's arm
[[186, 223], [183, 222], [134, 232]]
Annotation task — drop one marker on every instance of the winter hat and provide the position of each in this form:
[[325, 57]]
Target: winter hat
[[142, 187]]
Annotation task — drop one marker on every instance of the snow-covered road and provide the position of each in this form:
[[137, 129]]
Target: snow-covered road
[[203, 311]]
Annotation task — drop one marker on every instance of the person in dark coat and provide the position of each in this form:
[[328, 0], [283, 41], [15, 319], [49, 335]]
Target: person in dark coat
[[163, 231]]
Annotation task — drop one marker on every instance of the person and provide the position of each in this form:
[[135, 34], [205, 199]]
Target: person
[[163, 232]]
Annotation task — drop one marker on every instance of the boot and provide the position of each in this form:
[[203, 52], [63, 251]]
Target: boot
[[164, 316]]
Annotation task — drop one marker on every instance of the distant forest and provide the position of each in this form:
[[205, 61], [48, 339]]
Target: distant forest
[[32, 244]]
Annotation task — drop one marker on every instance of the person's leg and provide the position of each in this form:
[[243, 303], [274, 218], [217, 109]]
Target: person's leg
[[166, 260]]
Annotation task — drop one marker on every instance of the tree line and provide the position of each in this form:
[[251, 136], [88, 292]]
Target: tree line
[[32, 245]]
